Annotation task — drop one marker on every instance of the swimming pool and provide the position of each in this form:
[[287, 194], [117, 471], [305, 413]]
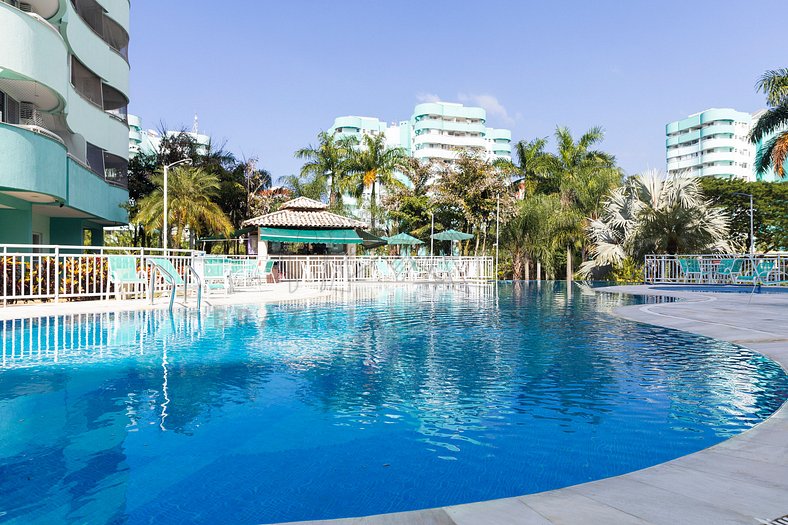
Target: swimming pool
[[383, 399]]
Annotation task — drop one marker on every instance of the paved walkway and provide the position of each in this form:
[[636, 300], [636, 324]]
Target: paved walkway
[[743, 480]]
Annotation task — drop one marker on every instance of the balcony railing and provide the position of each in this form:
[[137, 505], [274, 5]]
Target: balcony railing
[[765, 269]]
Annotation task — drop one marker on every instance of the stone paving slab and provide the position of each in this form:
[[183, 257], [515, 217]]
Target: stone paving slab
[[743, 480]]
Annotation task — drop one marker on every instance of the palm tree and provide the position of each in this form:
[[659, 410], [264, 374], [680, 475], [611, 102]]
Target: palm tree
[[328, 161], [471, 187], [191, 193], [410, 205], [652, 214], [533, 165], [372, 165], [310, 186], [775, 152], [529, 234], [584, 175]]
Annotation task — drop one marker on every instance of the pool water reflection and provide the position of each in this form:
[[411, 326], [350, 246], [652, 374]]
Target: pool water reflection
[[381, 399]]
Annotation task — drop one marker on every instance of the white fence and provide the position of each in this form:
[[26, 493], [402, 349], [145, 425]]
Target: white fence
[[53, 272], [717, 269], [313, 268]]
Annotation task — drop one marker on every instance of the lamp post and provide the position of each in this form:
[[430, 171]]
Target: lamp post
[[752, 226], [165, 230], [432, 230]]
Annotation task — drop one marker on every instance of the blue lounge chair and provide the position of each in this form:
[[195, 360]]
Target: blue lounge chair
[[123, 274], [730, 269], [760, 273], [690, 268], [216, 275]]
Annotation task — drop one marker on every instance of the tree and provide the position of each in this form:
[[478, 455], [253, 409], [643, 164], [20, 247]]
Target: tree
[[654, 214], [471, 186], [775, 120], [529, 234], [584, 176], [312, 186], [409, 205], [191, 195], [328, 161], [374, 165], [533, 165], [770, 217]]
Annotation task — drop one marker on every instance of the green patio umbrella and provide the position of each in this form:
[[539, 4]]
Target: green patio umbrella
[[452, 235], [404, 238]]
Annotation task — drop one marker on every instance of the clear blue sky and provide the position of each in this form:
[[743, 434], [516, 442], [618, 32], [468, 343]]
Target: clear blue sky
[[268, 76]]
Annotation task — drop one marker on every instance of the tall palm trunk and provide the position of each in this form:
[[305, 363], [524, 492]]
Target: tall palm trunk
[[569, 273], [538, 270], [527, 266]]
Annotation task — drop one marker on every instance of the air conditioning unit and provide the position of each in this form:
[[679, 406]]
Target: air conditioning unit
[[27, 8], [29, 115]]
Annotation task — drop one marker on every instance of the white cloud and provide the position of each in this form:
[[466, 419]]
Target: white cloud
[[490, 104], [428, 97]]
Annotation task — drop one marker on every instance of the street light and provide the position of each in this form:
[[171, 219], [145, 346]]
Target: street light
[[752, 228], [165, 231]]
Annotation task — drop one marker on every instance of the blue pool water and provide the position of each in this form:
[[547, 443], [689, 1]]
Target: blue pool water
[[384, 399]]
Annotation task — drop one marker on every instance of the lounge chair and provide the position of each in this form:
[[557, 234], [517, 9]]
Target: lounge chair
[[383, 271], [245, 273], [729, 269], [691, 268], [123, 273], [400, 268], [167, 271], [216, 275], [445, 270], [760, 273]]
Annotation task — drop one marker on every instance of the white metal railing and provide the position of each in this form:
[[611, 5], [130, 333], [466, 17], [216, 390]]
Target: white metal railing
[[350, 268], [55, 272], [717, 268]]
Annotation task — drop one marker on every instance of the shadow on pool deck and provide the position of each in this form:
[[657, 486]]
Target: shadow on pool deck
[[741, 480]]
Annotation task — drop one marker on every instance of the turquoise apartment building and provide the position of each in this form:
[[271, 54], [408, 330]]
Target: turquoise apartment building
[[436, 131], [64, 136], [715, 143]]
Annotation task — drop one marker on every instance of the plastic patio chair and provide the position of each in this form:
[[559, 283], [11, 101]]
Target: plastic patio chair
[[216, 275], [691, 268], [123, 273], [730, 269], [759, 274]]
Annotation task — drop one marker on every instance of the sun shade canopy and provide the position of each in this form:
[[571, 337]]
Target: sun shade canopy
[[340, 236], [452, 235], [404, 238]]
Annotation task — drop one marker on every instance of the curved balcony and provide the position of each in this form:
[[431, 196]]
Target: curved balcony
[[449, 140], [118, 11], [91, 194], [98, 56], [32, 165], [726, 171], [449, 110], [426, 124], [96, 126], [684, 137], [43, 81], [45, 8], [717, 129], [683, 150]]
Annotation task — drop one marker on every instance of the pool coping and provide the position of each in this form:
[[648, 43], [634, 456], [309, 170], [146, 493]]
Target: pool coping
[[743, 479]]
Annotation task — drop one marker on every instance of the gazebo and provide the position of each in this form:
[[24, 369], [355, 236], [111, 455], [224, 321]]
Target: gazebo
[[304, 220]]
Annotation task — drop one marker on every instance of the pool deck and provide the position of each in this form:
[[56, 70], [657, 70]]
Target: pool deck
[[742, 480]]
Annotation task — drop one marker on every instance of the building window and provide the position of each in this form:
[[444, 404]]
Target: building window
[[86, 82]]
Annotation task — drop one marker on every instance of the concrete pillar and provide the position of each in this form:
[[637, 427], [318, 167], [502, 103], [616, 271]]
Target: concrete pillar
[[16, 226], [66, 231]]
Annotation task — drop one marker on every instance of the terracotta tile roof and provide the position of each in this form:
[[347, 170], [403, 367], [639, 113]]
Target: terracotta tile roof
[[304, 213], [303, 203]]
